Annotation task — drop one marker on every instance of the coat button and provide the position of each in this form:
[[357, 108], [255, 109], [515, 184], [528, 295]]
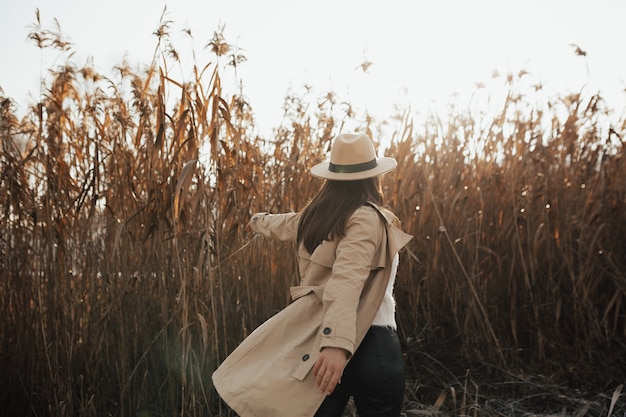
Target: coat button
[[305, 357], [326, 330]]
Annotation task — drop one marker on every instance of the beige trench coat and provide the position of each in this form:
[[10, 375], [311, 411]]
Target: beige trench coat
[[342, 286]]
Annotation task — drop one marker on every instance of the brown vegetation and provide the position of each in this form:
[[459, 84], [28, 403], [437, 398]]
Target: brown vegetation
[[126, 275]]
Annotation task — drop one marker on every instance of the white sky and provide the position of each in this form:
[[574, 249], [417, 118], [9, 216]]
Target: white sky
[[421, 50]]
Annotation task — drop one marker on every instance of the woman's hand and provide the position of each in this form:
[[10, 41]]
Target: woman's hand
[[329, 368]]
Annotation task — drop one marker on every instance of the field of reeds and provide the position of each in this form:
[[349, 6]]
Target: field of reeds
[[126, 275]]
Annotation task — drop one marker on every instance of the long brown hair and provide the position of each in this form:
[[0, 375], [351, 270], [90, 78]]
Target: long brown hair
[[326, 215]]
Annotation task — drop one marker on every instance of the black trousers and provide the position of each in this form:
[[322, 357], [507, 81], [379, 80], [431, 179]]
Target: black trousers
[[374, 377]]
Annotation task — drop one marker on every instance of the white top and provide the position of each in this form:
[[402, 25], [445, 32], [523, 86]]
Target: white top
[[386, 315]]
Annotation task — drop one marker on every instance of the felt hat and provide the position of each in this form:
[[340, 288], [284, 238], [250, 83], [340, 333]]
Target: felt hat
[[352, 157]]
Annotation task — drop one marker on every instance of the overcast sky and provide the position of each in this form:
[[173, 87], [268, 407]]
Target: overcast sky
[[421, 50]]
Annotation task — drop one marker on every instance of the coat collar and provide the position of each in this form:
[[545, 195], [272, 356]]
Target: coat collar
[[396, 238]]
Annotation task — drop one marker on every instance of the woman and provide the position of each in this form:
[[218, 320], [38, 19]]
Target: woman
[[338, 337]]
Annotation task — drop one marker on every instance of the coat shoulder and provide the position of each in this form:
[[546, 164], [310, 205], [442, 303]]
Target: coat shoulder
[[367, 213], [386, 214], [368, 219]]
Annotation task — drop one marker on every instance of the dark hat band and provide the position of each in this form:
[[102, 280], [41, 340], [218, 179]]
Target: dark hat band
[[348, 169]]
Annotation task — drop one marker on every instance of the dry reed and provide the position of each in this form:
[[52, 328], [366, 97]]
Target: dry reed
[[127, 275]]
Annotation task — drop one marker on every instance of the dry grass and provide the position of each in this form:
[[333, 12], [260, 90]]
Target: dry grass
[[126, 275]]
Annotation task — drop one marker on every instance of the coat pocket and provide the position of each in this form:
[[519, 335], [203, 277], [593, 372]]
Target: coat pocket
[[302, 290], [304, 368]]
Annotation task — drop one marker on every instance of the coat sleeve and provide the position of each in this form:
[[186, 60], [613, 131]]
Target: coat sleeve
[[351, 269], [276, 226]]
